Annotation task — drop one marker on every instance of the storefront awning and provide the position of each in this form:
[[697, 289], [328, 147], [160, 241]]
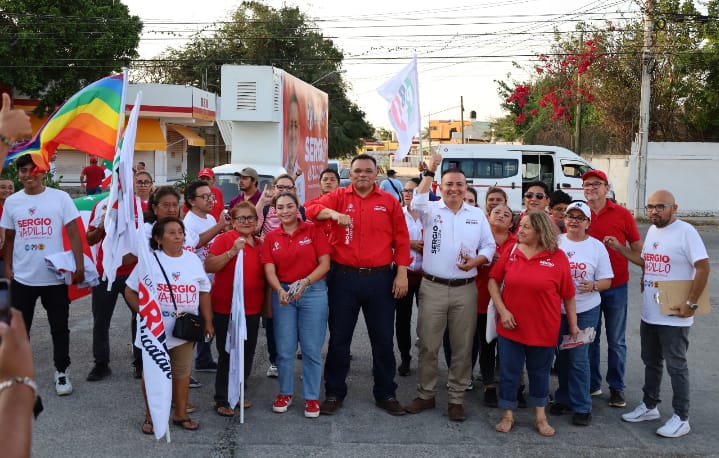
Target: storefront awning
[[193, 139], [149, 136]]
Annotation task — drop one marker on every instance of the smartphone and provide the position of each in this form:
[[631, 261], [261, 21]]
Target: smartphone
[[5, 300]]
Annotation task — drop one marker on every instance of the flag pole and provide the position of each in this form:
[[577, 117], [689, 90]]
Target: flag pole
[[242, 385], [123, 101]]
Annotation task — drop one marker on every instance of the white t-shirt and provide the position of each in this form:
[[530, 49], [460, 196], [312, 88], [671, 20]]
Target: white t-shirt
[[38, 221], [191, 237], [188, 280], [588, 260], [199, 225], [669, 254], [415, 233]]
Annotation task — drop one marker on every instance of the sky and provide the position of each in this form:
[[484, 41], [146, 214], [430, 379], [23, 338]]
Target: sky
[[463, 47]]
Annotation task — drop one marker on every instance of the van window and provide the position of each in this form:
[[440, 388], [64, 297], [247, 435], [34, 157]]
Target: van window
[[484, 168], [537, 167], [573, 169]]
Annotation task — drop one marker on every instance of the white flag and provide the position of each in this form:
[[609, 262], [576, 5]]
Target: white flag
[[122, 210], [236, 336], [402, 93]]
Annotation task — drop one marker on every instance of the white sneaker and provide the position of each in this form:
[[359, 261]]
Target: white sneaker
[[641, 413], [272, 371], [675, 427], [597, 392], [63, 387]]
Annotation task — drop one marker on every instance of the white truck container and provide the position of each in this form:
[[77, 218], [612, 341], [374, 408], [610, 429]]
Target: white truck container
[[511, 167]]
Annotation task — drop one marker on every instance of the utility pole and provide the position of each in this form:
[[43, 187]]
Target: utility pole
[[578, 115], [644, 106], [461, 115]]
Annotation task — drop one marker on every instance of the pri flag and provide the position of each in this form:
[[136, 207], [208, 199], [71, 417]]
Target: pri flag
[[236, 337], [402, 93]]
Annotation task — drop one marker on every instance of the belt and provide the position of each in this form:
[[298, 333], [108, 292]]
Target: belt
[[361, 271], [448, 282]]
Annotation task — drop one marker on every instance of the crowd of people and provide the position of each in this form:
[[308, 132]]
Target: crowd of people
[[536, 280]]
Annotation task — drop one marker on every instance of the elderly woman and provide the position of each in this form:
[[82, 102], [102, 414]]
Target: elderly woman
[[536, 278], [239, 242], [296, 257], [592, 273], [180, 273]]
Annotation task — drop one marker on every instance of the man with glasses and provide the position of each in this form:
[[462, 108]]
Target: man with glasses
[[673, 250], [611, 220], [200, 199], [218, 205]]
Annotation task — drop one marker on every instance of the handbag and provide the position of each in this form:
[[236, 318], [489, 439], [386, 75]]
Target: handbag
[[188, 326], [491, 330]]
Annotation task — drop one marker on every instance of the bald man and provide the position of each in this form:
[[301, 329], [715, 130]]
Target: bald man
[[673, 250]]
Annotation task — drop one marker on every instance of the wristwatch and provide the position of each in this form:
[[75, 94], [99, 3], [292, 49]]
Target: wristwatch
[[428, 173], [693, 305]]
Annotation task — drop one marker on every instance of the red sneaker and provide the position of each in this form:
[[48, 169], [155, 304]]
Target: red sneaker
[[282, 402], [312, 408]]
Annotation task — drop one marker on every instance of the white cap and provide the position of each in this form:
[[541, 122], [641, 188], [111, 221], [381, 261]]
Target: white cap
[[581, 206]]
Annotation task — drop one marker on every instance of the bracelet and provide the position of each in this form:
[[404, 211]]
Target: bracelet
[[5, 141], [309, 282], [428, 173], [27, 381]]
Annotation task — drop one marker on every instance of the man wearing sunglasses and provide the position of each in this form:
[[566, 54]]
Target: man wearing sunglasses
[[611, 220]]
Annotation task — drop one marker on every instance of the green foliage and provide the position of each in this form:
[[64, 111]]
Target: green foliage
[[10, 171], [184, 182], [257, 34], [51, 49]]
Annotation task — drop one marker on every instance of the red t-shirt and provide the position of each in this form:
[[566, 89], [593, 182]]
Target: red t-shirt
[[123, 269], [254, 276], [533, 292], [482, 279], [94, 174], [294, 255], [617, 221], [327, 226], [378, 234]]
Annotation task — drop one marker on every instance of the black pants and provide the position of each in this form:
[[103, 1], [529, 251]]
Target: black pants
[[57, 305], [403, 320], [103, 306], [221, 322]]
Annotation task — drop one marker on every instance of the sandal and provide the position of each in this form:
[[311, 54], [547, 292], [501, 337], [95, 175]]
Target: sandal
[[225, 411], [187, 424], [189, 407], [147, 427], [248, 403], [542, 426], [505, 425]]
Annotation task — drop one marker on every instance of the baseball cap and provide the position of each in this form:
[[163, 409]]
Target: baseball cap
[[248, 172], [581, 206], [93, 160], [206, 172], [595, 173]]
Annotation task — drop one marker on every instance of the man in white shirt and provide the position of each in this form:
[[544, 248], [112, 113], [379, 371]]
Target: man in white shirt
[[34, 219], [673, 250], [457, 239]]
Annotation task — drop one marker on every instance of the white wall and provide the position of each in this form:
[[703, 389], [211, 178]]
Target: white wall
[[256, 142]]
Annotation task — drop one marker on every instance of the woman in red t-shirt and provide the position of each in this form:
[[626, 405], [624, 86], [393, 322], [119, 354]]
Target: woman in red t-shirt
[[536, 279], [296, 257], [221, 260]]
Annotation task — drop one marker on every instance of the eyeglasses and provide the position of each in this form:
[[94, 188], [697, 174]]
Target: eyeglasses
[[245, 219], [143, 183], [206, 197], [532, 195], [579, 219], [657, 207], [593, 184], [407, 190], [284, 188]]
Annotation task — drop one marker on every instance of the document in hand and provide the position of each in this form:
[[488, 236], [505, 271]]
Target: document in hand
[[675, 292], [585, 336]]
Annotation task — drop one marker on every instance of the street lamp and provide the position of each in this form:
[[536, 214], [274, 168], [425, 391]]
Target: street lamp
[[327, 75]]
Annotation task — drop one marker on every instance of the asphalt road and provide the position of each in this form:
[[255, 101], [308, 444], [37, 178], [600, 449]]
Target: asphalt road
[[103, 418]]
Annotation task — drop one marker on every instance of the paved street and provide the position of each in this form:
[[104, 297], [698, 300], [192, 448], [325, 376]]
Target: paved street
[[104, 418]]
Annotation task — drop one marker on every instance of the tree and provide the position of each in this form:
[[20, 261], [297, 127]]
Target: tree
[[257, 34], [49, 50]]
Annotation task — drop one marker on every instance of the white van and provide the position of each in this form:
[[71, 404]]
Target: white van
[[226, 180], [511, 167]]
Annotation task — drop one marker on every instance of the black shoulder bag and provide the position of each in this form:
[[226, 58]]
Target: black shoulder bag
[[188, 326]]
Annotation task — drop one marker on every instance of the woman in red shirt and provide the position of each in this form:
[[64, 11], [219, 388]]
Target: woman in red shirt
[[296, 257], [221, 260], [536, 279]]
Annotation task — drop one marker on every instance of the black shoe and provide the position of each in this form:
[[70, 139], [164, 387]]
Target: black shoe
[[490, 397], [137, 372], [194, 383], [330, 406], [391, 406], [210, 367], [99, 372], [403, 368], [582, 419], [557, 408], [521, 399], [616, 398]]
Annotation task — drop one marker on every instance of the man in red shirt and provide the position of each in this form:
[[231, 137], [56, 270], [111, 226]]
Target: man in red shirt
[[91, 177], [370, 236], [611, 220]]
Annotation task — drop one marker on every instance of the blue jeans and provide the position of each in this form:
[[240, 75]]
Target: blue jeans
[[303, 320], [573, 366], [513, 356], [614, 309], [348, 292]]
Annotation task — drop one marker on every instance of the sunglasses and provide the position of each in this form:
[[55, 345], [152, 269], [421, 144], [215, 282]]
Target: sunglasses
[[532, 195]]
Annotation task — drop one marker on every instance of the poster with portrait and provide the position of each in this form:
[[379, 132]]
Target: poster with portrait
[[304, 134]]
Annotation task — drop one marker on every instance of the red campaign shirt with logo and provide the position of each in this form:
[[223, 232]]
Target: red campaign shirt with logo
[[533, 292], [482, 279], [616, 221], [378, 235], [327, 226], [295, 255], [253, 274]]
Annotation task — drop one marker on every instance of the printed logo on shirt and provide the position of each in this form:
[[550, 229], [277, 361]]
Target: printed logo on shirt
[[655, 245], [579, 270], [570, 254], [276, 246], [350, 207], [31, 211], [35, 227], [436, 234], [651, 284], [305, 241], [546, 263], [657, 263], [471, 221], [349, 232], [34, 246], [184, 294], [175, 276], [189, 248], [380, 208]]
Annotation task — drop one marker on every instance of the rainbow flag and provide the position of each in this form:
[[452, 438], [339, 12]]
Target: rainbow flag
[[88, 121]]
